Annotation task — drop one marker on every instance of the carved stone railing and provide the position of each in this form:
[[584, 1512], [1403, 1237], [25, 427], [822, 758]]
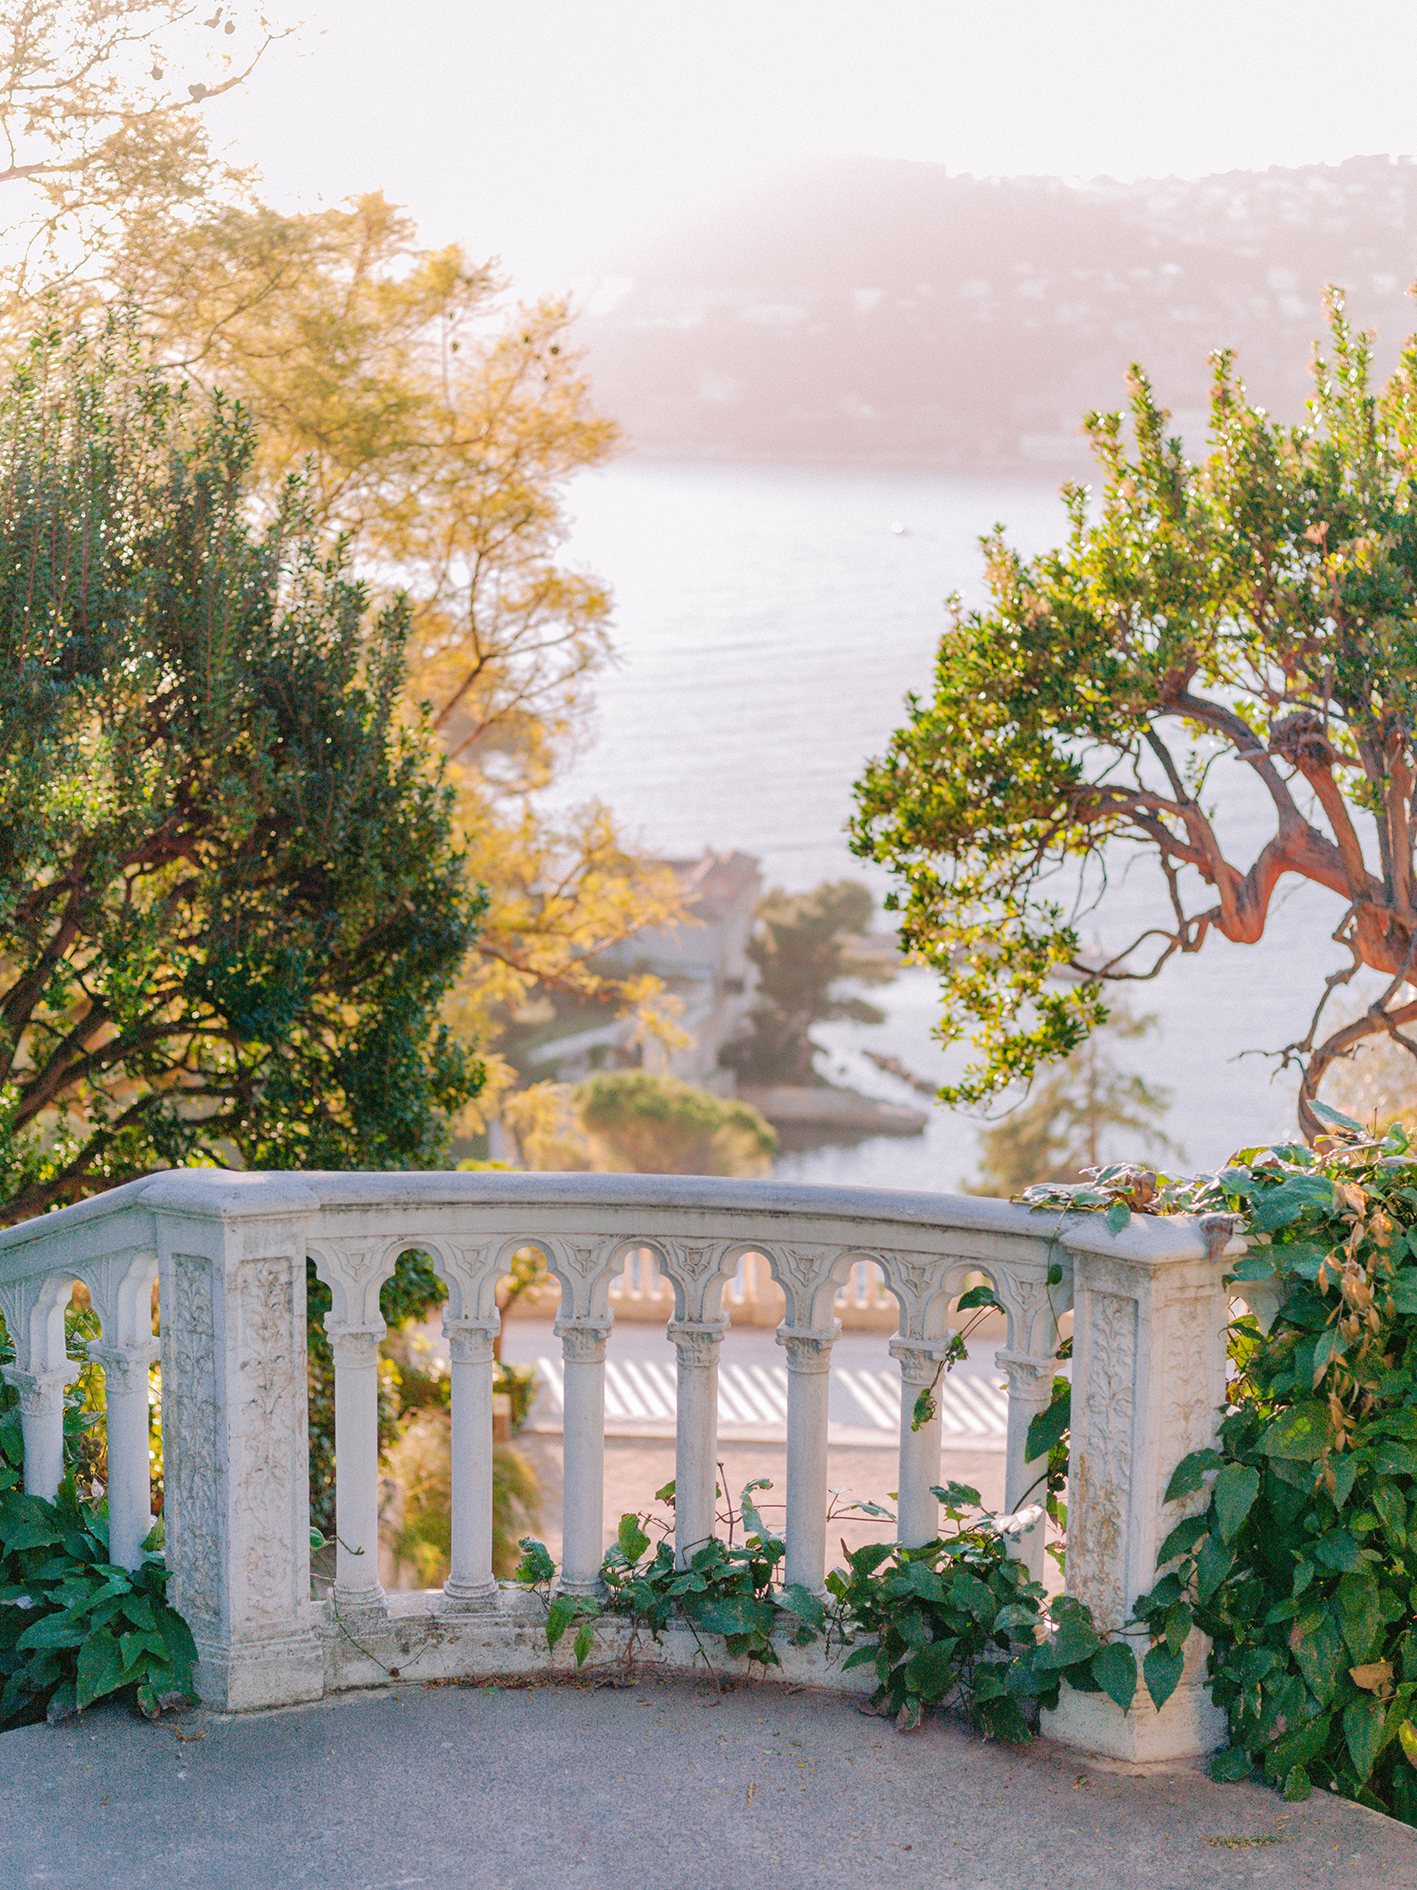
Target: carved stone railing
[[230, 1253]]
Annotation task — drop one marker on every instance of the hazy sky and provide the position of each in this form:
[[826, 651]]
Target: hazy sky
[[538, 129]]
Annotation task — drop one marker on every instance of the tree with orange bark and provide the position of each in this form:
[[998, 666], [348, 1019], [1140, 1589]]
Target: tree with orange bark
[[1259, 607]]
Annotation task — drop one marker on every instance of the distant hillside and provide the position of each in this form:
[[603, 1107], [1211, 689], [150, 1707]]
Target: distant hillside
[[863, 309]]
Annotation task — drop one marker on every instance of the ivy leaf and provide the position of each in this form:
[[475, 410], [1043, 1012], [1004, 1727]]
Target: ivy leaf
[[1233, 1497], [978, 1296], [1213, 1564], [1047, 1428], [100, 1667], [1359, 1615], [584, 1641], [1072, 1642], [1391, 1507], [559, 1617], [1182, 1539], [731, 1614], [1232, 1765], [631, 1538], [1162, 1671], [1189, 1473], [1337, 1550], [1363, 1725], [1318, 1653], [1299, 1434], [1407, 1739], [1117, 1216], [1114, 1668]]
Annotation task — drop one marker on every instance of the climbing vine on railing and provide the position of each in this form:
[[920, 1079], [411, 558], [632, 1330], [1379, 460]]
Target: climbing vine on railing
[[1302, 1563]]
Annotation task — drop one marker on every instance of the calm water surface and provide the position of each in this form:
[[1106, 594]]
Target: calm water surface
[[770, 622]]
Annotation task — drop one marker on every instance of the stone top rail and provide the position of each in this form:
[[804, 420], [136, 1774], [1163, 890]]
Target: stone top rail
[[230, 1252]]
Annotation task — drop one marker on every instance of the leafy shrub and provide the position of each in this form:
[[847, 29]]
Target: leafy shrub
[[73, 1628], [1302, 1567], [656, 1125], [954, 1622]]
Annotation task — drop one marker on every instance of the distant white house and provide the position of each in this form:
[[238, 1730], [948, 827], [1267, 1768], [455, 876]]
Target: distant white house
[[704, 964]]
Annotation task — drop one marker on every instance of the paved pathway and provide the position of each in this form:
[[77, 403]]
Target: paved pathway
[[579, 1788]]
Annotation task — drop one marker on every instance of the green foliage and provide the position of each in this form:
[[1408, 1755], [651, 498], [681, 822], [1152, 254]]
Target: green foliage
[[1300, 1561], [230, 905], [73, 1628], [656, 1125], [1060, 1129], [1260, 607], [801, 948]]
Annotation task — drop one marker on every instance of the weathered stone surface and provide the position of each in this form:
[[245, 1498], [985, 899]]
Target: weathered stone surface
[[598, 1788]]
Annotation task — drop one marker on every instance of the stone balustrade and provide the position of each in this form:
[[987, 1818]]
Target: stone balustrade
[[230, 1251]]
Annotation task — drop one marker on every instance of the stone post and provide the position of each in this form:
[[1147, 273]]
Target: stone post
[[1149, 1319], [231, 1254]]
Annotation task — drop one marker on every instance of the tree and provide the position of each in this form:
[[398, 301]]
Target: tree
[[437, 427], [75, 74], [1073, 1114], [230, 899], [802, 947], [1258, 608]]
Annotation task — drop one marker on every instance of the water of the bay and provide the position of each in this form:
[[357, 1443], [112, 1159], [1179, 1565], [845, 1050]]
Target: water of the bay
[[769, 622]]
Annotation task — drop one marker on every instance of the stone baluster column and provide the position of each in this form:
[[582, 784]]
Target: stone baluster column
[[356, 1355], [808, 1395], [698, 1270], [471, 1323], [120, 1287], [583, 1345], [1149, 1323], [41, 1373], [583, 1325], [1030, 1383], [810, 1278], [917, 1507], [355, 1271], [696, 1344], [1029, 1361], [471, 1582]]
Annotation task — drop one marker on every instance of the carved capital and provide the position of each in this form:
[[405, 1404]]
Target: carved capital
[[585, 1269], [697, 1341], [356, 1348], [125, 1367], [810, 1278], [583, 1342], [354, 1271], [698, 1270], [40, 1391], [1029, 1376], [919, 1363], [469, 1343], [807, 1352]]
